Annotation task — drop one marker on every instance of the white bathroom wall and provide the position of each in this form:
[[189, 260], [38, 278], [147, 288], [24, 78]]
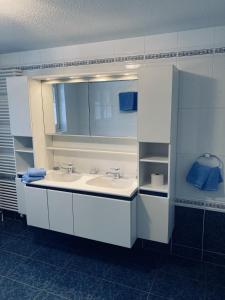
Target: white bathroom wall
[[201, 89]]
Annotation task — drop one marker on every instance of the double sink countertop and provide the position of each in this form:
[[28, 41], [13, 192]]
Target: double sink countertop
[[91, 183]]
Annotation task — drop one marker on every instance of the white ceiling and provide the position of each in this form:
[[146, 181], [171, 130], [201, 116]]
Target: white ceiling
[[36, 24]]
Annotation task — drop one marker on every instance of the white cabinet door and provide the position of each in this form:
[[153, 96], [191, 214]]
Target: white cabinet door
[[154, 104], [18, 98], [60, 211], [154, 219], [20, 191], [103, 219], [37, 207]]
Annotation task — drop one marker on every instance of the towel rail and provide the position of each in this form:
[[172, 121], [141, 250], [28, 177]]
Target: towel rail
[[8, 197]]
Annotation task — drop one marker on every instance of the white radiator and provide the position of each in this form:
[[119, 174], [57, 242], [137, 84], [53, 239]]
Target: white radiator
[[8, 199]]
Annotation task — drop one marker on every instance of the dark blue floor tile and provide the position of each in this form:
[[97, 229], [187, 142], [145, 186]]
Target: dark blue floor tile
[[5, 238], [184, 268], [215, 258], [20, 246], [51, 255], [13, 226], [188, 252], [215, 275], [177, 288], [113, 291], [74, 285], [131, 275], [91, 264], [157, 247], [214, 292], [34, 273], [48, 296], [153, 297], [214, 232], [188, 227], [8, 262], [11, 290]]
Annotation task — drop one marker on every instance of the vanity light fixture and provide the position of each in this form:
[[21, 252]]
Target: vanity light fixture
[[132, 66]]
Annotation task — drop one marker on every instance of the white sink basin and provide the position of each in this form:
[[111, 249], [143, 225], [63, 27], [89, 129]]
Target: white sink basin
[[108, 182], [62, 177]]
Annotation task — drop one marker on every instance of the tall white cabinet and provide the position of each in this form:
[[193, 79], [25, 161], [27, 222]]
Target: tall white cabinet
[[27, 128], [19, 110], [157, 130]]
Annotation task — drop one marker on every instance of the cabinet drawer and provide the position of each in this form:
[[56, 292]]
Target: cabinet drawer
[[104, 219], [154, 218], [60, 211], [37, 207]]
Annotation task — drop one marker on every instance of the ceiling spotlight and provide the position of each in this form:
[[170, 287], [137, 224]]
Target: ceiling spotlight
[[132, 66]]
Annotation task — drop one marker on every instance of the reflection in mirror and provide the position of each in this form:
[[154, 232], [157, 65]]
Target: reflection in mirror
[[91, 108], [106, 117], [71, 110]]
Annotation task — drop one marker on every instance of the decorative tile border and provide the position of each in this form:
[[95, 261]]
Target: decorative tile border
[[208, 204], [130, 58]]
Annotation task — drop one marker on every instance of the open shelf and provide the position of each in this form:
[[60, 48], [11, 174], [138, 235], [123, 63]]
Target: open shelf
[[23, 144], [24, 160], [155, 159], [159, 189], [91, 151], [24, 150]]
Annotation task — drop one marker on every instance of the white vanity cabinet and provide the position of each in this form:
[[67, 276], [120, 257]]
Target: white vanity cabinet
[[18, 98], [60, 205], [104, 219], [155, 218], [37, 207]]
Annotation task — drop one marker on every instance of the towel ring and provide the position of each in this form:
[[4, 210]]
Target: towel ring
[[209, 155]]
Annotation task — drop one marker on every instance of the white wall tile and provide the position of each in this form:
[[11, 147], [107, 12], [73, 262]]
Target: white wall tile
[[161, 43], [196, 39], [219, 36], [186, 191], [96, 50], [31, 57], [201, 130], [11, 59], [52, 55], [196, 85], [130, 46]]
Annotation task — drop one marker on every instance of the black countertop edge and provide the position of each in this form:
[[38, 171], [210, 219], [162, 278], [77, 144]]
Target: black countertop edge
[[151, 193], [84, 192]]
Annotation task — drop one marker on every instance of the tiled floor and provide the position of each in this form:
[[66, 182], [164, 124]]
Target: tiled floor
[[41, 265]]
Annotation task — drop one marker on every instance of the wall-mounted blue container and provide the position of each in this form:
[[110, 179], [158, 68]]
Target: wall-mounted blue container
[[128, 101]]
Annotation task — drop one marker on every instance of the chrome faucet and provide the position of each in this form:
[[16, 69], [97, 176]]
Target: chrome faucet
[[115, 173], [68, 168]]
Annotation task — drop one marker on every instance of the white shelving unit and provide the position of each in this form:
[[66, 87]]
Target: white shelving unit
[[23, 153], [157, 127], [153, 158]]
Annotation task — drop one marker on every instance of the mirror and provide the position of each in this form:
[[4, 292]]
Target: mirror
[[100, 108]]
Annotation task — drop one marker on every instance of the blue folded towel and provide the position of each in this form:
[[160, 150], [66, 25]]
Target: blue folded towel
[[128, 101], [35, 172], [198, 175], [27, 179], [205, 178], [213, 180]]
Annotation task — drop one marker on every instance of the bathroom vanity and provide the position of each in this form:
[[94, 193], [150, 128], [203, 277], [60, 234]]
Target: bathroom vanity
[[75, 119]]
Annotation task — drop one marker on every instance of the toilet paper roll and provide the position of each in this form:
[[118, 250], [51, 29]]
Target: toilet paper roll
[[157, 179]]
